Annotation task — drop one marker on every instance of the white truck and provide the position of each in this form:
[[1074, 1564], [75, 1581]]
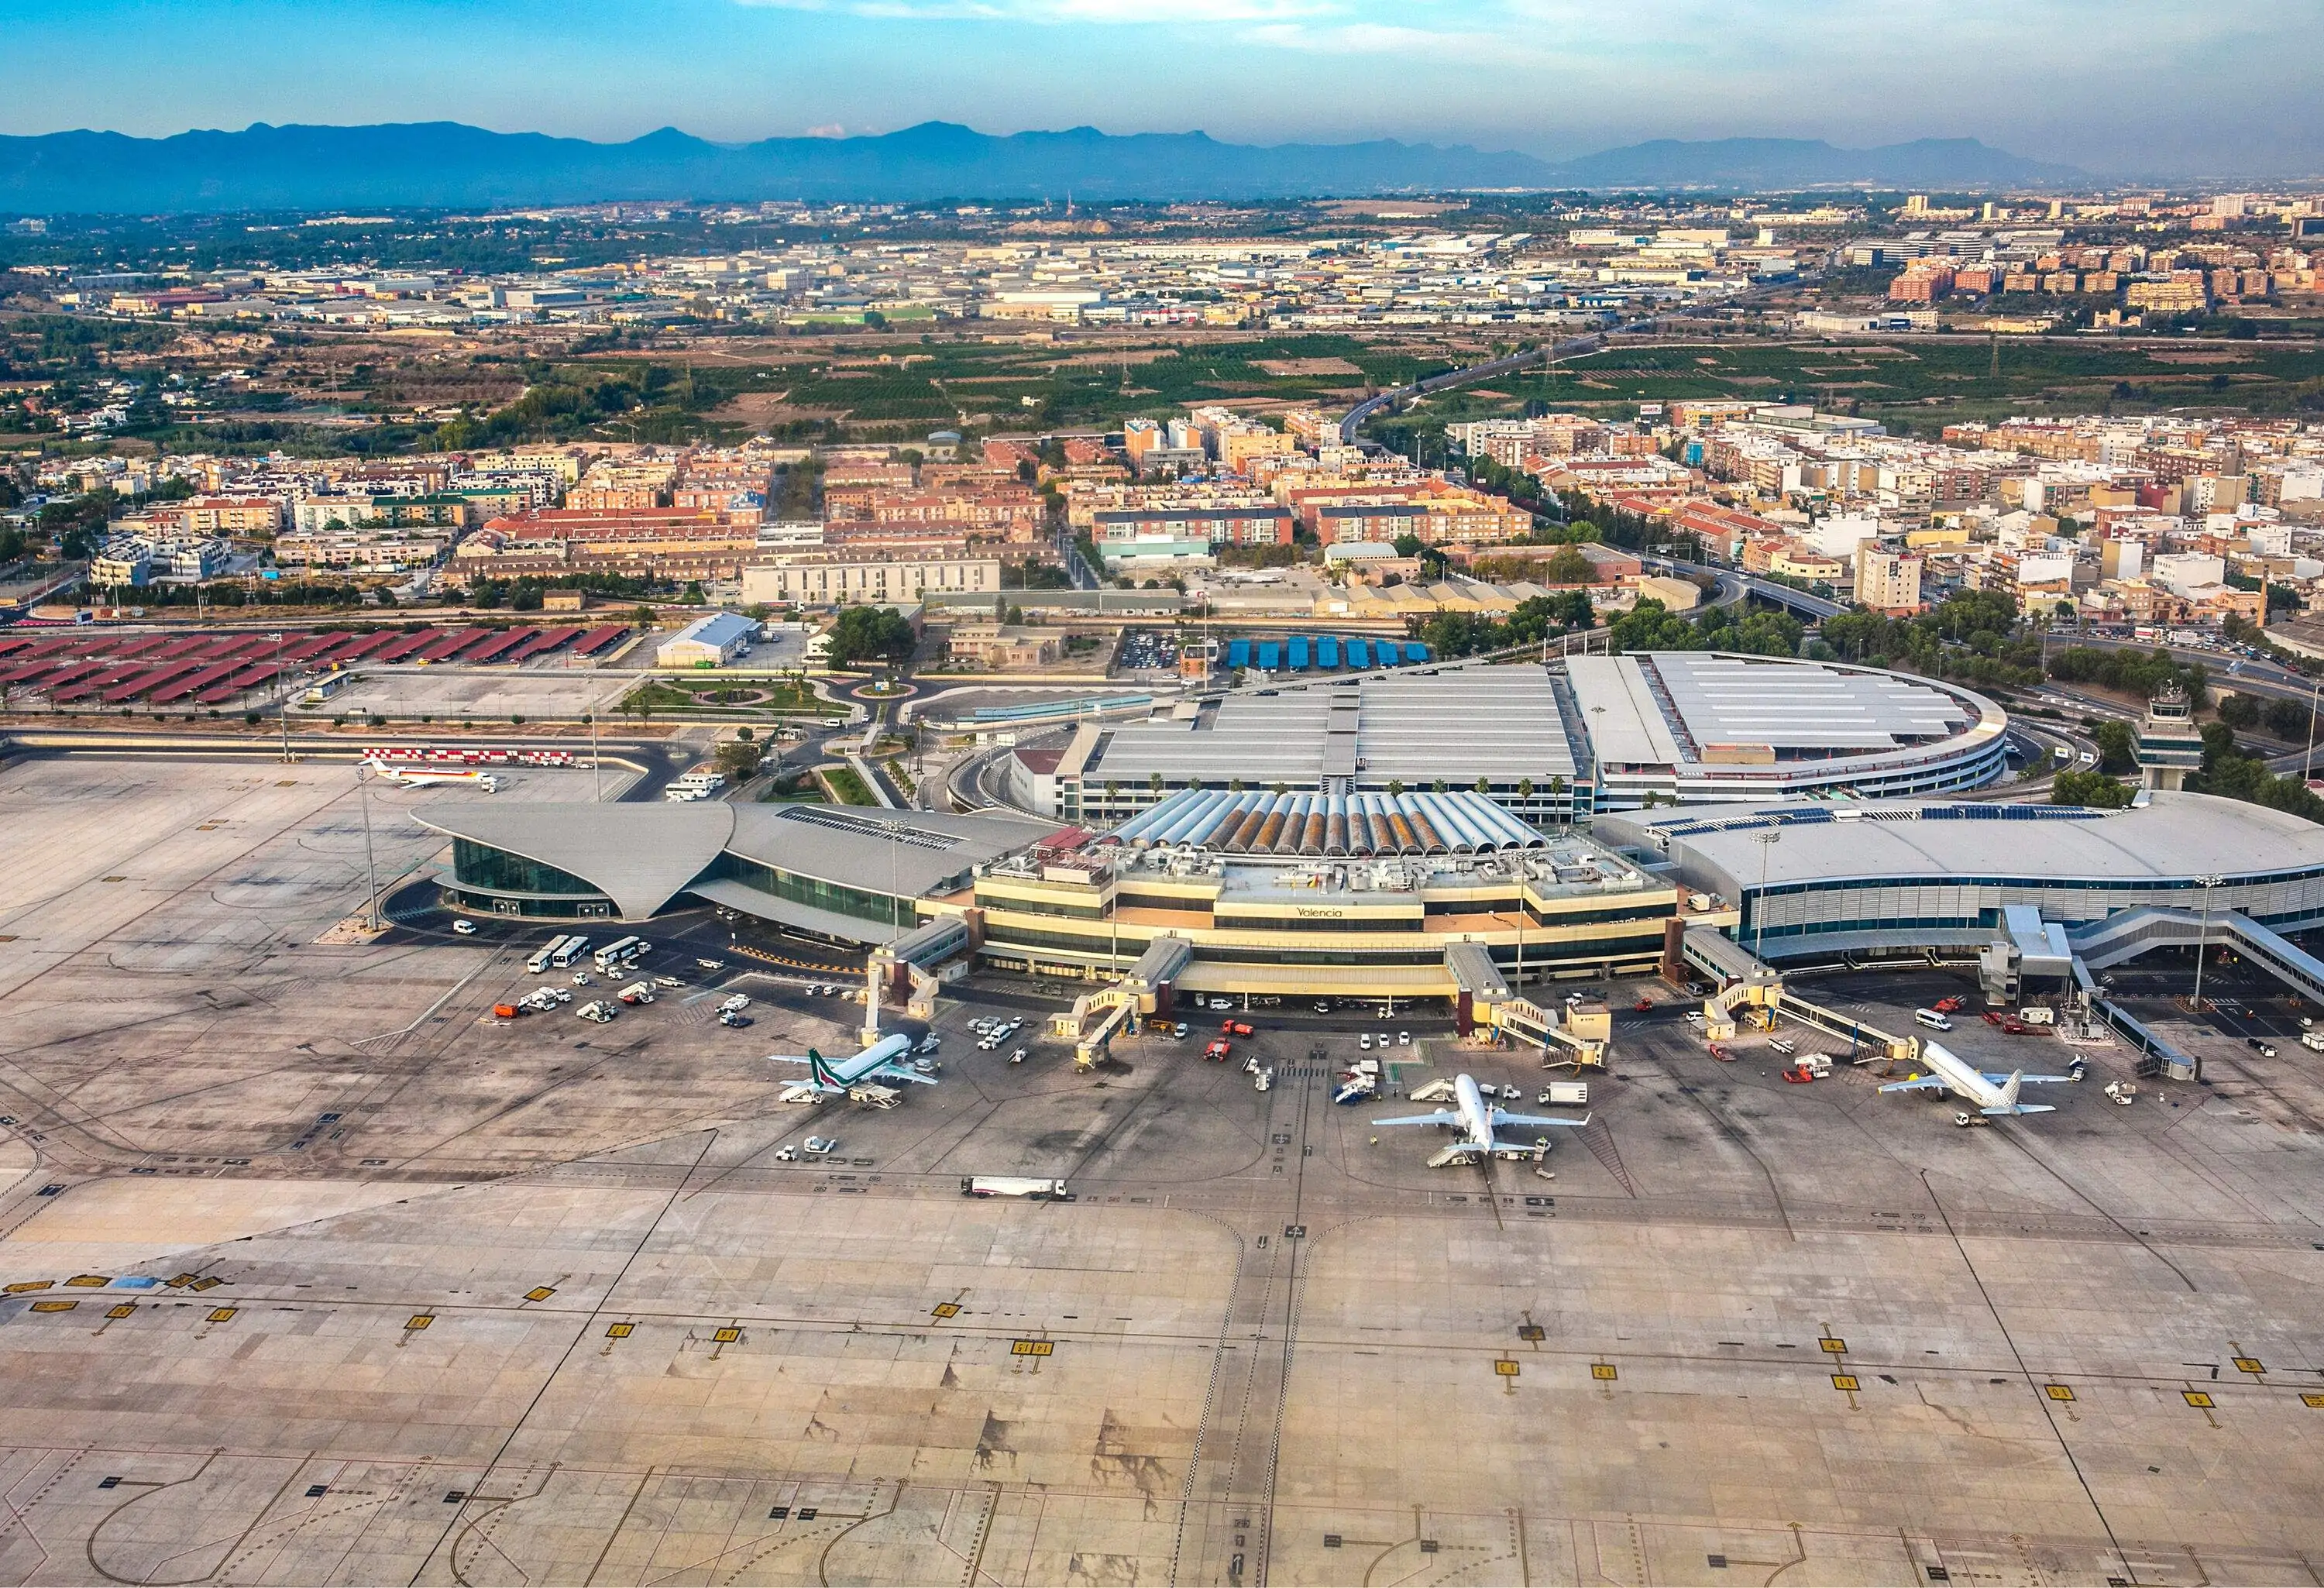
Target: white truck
[[2034, 1014], [1567, 1094], [1014, 1186], [2312, 1040]]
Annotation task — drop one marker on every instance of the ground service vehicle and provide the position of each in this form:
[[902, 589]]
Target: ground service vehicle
[[1012, 1185], [1217, 1051], [2312, 1040], [570, 950], [1933, 1020], [506, 1012], [619, 951], [1567, 1094], [466, 929], [1233, 1029], [544, 956]]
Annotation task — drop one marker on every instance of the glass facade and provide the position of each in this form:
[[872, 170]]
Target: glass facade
[[839, 899], [483, 866], [565, 907]]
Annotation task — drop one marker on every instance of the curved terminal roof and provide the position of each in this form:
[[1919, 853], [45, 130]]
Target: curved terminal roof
[[1679, 708], [2170, 839], [1695, 714], [641, 856]]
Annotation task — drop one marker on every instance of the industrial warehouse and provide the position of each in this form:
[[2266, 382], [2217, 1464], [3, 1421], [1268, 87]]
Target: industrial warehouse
[[1552, 743]]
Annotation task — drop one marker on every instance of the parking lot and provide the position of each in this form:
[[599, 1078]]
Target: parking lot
[[439, 1295], [1144, 650], [452, 695]]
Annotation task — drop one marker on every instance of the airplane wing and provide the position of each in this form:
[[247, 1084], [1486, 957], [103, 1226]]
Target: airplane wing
[[1443, 1116], [2028, 1080], [889, 1072], [2020, 1107], [787, 1059], [1924, 1084], [1503, 1117]]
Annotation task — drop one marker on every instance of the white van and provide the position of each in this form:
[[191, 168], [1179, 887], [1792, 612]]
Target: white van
[[1933, 1020]]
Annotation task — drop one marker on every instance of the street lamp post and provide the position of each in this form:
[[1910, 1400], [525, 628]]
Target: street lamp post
[[597, 772], [2308, 764], [370, 871], [2203, 936], [1766, 841], [282, 696]]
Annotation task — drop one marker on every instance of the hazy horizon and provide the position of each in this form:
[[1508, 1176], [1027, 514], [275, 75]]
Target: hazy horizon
[[2127, 89]]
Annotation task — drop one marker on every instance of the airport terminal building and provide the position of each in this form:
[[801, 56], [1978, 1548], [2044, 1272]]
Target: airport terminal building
[[1553, 743], [1819, 881], [1292, 894]]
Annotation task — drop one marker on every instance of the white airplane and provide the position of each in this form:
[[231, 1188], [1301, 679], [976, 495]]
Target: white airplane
[[830, 1077], [429, 777], [1993, 1094], [1477, 1121]]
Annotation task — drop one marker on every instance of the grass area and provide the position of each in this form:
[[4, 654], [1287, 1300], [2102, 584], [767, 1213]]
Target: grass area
[[727, 695], [1931, 382], [845, 787], [1033, 387]]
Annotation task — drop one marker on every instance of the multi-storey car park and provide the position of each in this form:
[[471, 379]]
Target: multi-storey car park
[[1587, 733]]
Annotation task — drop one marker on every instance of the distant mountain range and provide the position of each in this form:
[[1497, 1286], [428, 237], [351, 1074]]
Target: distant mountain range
[[431, 164]]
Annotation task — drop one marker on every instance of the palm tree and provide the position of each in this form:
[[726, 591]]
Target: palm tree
[[1525, 788], [1484, 787], [1395, 788]]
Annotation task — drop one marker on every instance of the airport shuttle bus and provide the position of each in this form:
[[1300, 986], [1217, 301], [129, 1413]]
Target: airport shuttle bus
[[619, 951], [557, 954]]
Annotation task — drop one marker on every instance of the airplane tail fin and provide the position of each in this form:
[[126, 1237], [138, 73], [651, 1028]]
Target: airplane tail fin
[[816, 1068], [2010, 1088]]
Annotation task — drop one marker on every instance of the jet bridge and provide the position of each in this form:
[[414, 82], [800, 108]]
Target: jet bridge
[[909, 965], [1482, 1001], [1748, 985], [1145, 988]]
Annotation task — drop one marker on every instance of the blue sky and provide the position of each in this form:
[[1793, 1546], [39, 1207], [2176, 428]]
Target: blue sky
[[2110, 84]]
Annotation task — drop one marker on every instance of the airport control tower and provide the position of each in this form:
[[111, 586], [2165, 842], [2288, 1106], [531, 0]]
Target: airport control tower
[[2169, 746]]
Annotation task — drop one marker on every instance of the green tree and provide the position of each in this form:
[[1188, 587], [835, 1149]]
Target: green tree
[[2117, 751], [2095, 790], [1569, 566], [866, 633]]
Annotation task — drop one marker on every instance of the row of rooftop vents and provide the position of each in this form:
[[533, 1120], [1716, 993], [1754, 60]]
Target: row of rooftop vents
[[1329, 825]]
